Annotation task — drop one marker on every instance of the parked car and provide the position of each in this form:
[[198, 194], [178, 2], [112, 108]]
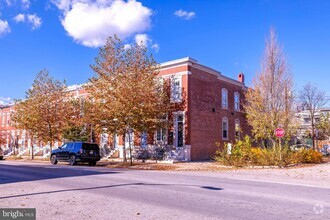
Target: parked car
[[1, 153], [300, 146], [74, 152], [325, 150]]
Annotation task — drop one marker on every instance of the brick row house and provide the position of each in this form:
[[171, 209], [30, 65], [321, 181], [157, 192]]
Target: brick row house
[[213, 113]]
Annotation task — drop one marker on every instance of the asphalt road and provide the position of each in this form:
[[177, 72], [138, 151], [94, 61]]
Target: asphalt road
[[82, 192]]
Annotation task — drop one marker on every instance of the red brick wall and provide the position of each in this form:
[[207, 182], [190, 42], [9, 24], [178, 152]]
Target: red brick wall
[[206, 125], [180, 69]]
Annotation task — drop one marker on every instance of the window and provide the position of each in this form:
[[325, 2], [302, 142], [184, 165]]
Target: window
[[236, 101], [115, 140], [69, 146], [64, 146], [179, 129], [176, 89], [144, 140], [224, 96], [225, 128], [3, 120], [161, 134], [307, 120], [237, 130]]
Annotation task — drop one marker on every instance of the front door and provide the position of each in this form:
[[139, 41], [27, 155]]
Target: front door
[[178, 131], [129, 139]]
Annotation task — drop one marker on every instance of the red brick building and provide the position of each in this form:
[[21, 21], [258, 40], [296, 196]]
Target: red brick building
[[213, 112], [214, 108]]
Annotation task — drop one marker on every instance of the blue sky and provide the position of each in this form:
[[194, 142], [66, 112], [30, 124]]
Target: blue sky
[[63, 36]]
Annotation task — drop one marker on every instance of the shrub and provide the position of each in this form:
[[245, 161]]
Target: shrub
[[240, 153], [311, 156], [243, 154]]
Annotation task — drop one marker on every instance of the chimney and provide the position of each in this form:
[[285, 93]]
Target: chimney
[[241, 77]]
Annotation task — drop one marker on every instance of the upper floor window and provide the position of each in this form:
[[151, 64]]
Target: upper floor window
[[176, 89], [8, 119], [224, 95], [236, 101], [225, 128], [3, 120]]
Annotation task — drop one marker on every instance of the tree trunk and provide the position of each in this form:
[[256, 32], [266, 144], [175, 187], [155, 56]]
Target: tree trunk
[[124, 148], [313, 133], [50, 146], [32, 147], [130, 146]]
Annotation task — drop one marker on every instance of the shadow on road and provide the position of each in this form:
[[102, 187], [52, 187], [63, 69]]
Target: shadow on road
[[104, 187], [28, 172], [211, 188]]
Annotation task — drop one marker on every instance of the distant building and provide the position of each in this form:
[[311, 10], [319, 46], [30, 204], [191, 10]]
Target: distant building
[[305, 123], [213, 113]]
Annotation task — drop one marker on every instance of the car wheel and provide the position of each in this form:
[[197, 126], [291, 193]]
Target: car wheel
[[72, 160], [53, 159]]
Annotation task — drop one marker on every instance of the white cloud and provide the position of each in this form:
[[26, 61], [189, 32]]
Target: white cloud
[[9, 2], [34, 20], [156, 47], [19, 18], [25, 4], [90, 22], [4, 27], [145, 40], [185, 14], [127, 46], [5, 101], [142, 39]]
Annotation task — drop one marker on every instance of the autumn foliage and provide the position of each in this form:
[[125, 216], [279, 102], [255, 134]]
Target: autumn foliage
[[269, 103]]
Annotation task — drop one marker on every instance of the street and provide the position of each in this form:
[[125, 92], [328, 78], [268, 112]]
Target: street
[[83, 192]]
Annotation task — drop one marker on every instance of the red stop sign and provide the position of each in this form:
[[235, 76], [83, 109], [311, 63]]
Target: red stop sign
[[279, 132]]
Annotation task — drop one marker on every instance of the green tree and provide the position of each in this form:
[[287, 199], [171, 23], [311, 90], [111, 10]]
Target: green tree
[[269, 103]]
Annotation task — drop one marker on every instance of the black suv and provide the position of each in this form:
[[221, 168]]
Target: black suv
[[1, 153], [74, 152]]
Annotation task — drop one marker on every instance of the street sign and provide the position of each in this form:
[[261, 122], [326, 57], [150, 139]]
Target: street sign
[[279, 132]]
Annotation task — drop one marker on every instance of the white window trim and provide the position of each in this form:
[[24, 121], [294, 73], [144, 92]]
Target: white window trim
[[239, 100], [222, 94], [163, 135], [224, 119], [175, 134], [178, 99]]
